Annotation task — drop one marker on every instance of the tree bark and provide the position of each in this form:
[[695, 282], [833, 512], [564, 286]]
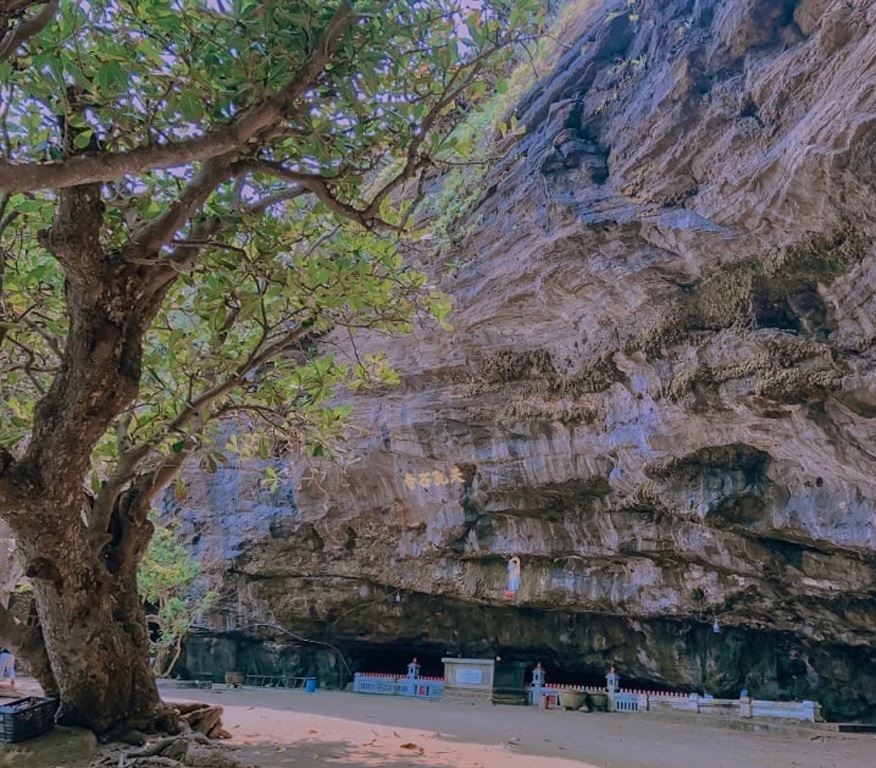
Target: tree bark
[[92, 618], [96, 639]]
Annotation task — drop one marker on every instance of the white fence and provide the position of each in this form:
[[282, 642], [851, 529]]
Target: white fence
[[390, 685], [805, 711], [628, 702], [631, 700], [623, 700]]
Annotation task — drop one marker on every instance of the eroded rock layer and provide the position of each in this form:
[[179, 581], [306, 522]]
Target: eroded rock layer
[[659, 392]]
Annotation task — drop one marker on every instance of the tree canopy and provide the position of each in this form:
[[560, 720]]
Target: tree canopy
[[242, 147], [192, 195]]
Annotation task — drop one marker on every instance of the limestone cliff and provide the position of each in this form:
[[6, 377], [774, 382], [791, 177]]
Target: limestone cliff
[[659, 392]]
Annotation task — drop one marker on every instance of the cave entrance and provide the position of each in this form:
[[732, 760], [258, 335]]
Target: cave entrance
[[395, 660]]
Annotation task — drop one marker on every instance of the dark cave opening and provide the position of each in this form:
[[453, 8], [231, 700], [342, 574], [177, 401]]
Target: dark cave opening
[[394, 660]]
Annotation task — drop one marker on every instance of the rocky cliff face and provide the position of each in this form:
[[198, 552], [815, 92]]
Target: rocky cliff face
[[659, 393]]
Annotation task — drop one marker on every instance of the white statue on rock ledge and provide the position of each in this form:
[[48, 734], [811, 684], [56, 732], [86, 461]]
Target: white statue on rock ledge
[[513, 585]]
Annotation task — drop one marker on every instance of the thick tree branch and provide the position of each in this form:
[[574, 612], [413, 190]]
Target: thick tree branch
[[148, 239], [102, 509], [27, 28], [100, 368], [6, 218], [97, 167], [281, 196], [151, 483]]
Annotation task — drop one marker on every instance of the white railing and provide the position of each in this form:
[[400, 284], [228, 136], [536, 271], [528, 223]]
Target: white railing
[[623, 700], [391, 685], [627, 702]]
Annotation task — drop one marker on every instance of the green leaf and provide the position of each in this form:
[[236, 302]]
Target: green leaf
[[191, 105], [83, 139], [208, 464], [110, 78]]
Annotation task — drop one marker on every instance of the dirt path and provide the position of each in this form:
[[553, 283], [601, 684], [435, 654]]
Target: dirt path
[[276, 729]]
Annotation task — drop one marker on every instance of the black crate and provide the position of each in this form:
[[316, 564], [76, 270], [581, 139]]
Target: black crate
[[27, 718]]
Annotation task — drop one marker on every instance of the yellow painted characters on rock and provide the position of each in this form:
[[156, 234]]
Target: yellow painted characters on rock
[[432, 477]]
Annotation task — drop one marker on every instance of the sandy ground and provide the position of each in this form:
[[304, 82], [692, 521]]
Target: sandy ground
[[275, 729], [286, 729]]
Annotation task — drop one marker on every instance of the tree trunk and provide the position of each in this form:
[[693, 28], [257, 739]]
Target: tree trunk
[[94, 626], [81, 558]]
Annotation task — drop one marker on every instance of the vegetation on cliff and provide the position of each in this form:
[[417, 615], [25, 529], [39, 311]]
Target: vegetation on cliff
[[168, 581]]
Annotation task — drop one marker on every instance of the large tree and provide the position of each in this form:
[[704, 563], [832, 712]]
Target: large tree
[[192, 194]]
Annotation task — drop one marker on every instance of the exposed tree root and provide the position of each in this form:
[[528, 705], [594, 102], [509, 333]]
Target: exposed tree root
[[193, 747], [203, 718]]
